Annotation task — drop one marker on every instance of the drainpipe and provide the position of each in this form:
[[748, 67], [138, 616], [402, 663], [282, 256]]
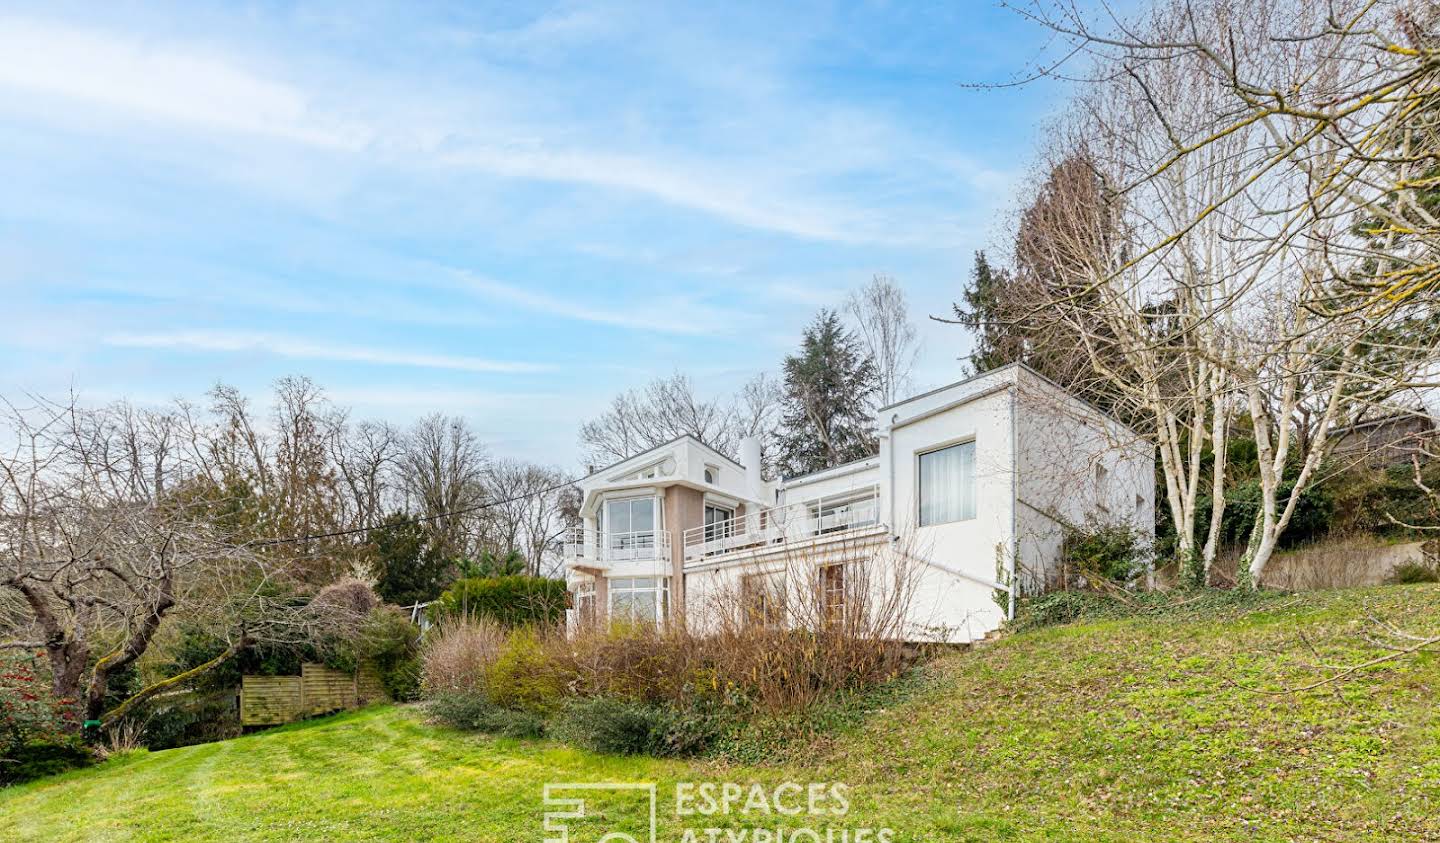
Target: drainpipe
[[1014, 494]]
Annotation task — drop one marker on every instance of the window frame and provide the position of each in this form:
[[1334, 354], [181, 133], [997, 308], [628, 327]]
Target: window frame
[[974, 481], [660, 588]]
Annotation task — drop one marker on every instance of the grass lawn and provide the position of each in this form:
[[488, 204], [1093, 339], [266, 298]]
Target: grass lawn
[[1119, 730]]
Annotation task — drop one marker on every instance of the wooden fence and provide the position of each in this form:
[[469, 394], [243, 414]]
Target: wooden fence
[[272, 700]]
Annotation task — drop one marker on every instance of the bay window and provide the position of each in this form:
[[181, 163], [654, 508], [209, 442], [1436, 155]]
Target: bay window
[[947, 484]]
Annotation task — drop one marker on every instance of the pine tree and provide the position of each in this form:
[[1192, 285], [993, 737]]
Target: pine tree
[[996, 344], [825, 415]]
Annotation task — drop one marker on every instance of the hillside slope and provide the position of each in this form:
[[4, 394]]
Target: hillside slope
[[1142, 728]]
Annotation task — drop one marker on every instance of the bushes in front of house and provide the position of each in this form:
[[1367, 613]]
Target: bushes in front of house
[[637, 688], [511, 601], [1105, 553]]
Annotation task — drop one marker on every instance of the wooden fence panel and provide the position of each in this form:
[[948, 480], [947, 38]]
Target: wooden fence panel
[[270, 700], [326, 690], [369, 687]]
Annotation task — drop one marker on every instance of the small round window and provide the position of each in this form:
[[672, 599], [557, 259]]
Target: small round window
[[709, 475]]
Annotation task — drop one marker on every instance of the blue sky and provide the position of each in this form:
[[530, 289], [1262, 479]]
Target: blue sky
[[505, 211]]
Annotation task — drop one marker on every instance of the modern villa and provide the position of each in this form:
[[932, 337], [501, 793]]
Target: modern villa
[[972, 491]]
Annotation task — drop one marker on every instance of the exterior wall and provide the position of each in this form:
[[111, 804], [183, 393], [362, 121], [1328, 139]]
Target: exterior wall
[[684, 508], [1076, 467], [972, 547]]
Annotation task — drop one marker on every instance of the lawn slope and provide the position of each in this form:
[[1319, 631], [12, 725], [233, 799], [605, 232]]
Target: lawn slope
[[1136, 729]]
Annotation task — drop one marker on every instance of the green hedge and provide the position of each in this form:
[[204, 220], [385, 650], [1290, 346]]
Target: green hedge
[[512, 601]]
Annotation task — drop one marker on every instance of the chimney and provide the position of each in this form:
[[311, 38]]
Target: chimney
[[750, 458]]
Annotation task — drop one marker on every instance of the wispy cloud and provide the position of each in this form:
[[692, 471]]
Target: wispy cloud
[[667, 314], [208, 89], [236, 342]]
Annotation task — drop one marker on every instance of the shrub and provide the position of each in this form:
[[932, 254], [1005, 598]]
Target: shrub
[[458, 654], [619, 727], [511, 601], [473, 712], [623, 727], [1411, 573], [37, 731], [1111, 552], [635, 662], [37, 759], [524, 676]]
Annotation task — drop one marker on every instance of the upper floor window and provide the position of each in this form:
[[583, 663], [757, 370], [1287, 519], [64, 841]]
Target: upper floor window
[[712, 474], [947, 484], [629, 524]]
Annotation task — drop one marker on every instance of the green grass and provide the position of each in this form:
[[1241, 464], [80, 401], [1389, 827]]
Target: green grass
[[1118, 729]]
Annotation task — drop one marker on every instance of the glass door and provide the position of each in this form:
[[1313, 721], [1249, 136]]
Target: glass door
[[629, 527]]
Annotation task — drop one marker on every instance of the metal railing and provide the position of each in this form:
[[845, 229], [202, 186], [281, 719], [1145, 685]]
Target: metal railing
[[604, 546], [782, 524]]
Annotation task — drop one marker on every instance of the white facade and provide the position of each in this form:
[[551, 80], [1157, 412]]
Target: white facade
[[970, 492]]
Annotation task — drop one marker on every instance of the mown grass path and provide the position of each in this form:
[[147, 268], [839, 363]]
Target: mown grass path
[[1125, 730]]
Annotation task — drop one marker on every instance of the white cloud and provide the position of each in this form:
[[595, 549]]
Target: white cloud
[[165, 83], [206, 89], [236, 342]]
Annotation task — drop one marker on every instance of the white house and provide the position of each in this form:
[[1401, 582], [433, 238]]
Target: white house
[[971, 492]]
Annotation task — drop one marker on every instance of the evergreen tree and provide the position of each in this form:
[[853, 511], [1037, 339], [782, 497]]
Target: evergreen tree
[[407, 570], [825, 414], [996, 343]]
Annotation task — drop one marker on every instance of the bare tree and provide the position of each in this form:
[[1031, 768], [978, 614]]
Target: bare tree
[[882, 318], [1266, 243], [665, 408], [106, 532], [527, 511], [443, 473]]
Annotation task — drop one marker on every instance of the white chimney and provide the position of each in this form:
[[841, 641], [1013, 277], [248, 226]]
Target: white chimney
[[750, 458]]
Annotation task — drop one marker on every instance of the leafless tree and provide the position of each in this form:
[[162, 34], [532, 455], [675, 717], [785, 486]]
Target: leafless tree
[[527, 512], [1260, 240], [665, 408], [443, 472], [107, 531], [882, 317]]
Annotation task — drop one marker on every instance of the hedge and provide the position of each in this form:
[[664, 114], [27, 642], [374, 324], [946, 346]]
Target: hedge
[[512, 601]]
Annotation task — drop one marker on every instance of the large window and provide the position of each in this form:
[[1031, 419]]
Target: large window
[[640, 599], [947, 484], [629, 528]]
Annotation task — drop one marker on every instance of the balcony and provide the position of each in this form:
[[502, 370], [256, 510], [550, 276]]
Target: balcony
[[604, 548], [783, 524]]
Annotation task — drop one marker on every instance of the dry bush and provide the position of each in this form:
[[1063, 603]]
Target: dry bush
[[639, 662], [791, 632], [458, 654]]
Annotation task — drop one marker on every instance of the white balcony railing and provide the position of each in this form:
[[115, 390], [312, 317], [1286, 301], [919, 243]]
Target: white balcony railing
[[782, 524], [604, 546]]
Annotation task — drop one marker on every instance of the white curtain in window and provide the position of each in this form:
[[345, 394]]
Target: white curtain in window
[[947, 484]]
